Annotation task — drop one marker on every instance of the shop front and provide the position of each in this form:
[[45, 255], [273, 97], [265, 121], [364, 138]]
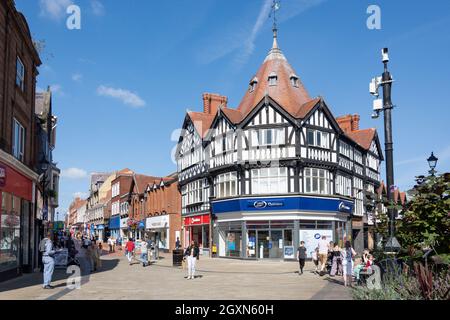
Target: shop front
[[158, 230], [114, 227], [272, 228], [124, 229], [17, 224], [197, 228]]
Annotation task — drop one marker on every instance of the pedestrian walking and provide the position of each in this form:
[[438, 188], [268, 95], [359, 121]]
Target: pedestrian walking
[[48, 252], [315, 259], [347, 263], [336, 264], [301, 256], [178, 243], [110, 244], [192, 253], [130, 250], [323, 253], [144, 253], [113, 243]]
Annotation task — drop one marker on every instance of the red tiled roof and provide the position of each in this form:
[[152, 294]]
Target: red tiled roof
[[202, 121], [235, 116], [363, 137], [142, 181], [284, 93], [306, 108]]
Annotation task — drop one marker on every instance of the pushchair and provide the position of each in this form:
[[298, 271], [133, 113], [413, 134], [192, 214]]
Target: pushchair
[[72, 259]]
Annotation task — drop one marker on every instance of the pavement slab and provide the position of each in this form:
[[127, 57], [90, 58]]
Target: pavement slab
[[216, 278]]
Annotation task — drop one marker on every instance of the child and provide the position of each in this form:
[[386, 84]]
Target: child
[[315, 259]]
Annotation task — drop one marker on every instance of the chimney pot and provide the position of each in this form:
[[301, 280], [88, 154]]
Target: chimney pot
[[212, 101]]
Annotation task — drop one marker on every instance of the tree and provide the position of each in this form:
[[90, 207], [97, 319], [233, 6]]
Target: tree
[[426, 218]]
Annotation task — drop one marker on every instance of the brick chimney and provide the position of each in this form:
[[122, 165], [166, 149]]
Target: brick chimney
[[349, 122], [212, 101]]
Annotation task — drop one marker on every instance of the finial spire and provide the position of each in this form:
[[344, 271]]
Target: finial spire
[[275, 8]]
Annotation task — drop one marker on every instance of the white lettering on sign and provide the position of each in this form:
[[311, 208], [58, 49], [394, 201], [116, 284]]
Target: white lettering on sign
[[194, 220]]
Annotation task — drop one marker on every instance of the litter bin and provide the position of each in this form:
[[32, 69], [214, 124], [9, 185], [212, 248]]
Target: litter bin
[[177, 258]]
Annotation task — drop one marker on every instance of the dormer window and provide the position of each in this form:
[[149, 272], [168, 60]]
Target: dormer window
[[253, 84], [294, 81], [273, 79]]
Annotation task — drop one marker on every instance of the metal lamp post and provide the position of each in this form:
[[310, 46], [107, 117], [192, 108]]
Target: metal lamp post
[[385, 105], [432, 161]]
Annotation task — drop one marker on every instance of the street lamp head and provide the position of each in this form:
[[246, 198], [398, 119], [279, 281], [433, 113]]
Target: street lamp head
[[432, 161], [384, 55]]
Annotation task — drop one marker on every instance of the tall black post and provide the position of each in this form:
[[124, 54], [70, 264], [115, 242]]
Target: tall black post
[[389, 145], [392, 244]]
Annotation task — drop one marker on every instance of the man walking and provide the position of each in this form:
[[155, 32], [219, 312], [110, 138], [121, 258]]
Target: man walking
[[130, 250], [48, 252], [144, 252], [323, 253], [301, 256]]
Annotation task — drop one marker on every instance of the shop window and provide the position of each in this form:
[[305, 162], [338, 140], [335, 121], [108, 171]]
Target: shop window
[[9, 233], [306, 224]]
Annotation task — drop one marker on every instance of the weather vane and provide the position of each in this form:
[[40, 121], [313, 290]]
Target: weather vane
[[275, 8]]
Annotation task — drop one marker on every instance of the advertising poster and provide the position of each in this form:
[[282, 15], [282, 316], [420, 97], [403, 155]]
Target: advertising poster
[[289, 252], [312, 237]]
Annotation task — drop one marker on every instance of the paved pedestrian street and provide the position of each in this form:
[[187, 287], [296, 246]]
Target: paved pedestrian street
[[216, 279]]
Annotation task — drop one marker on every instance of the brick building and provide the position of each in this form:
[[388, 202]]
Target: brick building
[[163, 211], [19, 175], [120, 189]]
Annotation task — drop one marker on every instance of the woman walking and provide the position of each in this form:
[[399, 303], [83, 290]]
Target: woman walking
[[347, 263], [191, 254], [336, 266]]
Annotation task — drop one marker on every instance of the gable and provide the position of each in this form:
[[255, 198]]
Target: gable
[[321, 116], [267, 112]]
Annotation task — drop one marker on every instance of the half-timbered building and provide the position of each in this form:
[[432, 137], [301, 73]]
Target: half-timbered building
[[278, 169]]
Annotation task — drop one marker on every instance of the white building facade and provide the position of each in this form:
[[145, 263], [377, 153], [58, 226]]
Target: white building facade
[[277, 170]]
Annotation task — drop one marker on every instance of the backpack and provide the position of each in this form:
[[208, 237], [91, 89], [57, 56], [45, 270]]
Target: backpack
[[42, 245]]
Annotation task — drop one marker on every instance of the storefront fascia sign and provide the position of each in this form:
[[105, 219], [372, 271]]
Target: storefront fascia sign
[[197, 220], [157, 222]]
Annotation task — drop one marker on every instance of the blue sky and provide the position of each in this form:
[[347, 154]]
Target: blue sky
[[123, 82]]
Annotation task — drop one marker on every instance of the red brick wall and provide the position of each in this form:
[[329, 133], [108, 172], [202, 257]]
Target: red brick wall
[[15, 103]]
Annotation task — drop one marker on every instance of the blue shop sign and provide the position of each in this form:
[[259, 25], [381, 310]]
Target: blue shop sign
[[296, 203], [114, 222], [100, 227]]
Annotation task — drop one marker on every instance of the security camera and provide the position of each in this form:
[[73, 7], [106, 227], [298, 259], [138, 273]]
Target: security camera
[[374, 85], [377, 105], [375, 115], [384, 54]]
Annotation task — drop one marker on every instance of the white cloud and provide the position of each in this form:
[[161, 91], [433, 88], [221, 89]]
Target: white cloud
[[54, 9], [243, 43], [77, 77], [74, 173], [97, 7], [127, 97], [80, 194], [57, 89]]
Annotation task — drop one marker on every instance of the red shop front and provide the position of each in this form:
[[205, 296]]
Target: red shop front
[[198, 228], [16, 222]]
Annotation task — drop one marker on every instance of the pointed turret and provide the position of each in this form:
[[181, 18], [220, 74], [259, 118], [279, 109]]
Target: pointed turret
[[277, 79]]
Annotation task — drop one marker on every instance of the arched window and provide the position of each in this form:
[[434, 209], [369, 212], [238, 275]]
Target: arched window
[[253, 84], [273, 79], [294, 80]]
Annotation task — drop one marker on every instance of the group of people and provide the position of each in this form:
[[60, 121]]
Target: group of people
[[82, 251], [329, 257]]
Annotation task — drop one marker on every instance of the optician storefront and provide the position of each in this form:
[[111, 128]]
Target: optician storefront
[[158, 230], [197, 228], [261, 228], [17, 243]]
